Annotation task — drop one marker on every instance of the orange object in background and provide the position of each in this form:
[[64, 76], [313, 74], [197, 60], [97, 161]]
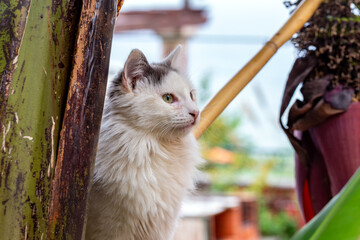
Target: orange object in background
[[213, 217], [238, 223], [220, 155], [228, 224]]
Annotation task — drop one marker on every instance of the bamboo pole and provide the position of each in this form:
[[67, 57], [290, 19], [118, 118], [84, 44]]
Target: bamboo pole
[[215, 107]]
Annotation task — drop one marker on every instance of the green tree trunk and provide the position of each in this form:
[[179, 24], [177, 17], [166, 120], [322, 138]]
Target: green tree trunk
[[42, 198]]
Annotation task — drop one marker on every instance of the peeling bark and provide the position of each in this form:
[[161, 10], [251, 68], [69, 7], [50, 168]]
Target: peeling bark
[[53, 63], [81, 124], [35, 63]]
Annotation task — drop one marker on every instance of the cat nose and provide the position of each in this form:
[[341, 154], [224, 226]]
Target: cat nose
[[194, 114]]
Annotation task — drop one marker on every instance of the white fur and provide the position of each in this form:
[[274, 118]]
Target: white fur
[[146, 162]]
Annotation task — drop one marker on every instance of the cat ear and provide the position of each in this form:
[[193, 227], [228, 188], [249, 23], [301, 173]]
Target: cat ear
[[135, 68], [175, 59]]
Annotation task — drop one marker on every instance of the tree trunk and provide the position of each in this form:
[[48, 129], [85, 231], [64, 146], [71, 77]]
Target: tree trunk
[[81, 124], [42, 198]]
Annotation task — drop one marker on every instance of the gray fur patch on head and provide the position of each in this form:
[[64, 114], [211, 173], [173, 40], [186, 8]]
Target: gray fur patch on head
[[160, 70], [137, 69], [154, 74]]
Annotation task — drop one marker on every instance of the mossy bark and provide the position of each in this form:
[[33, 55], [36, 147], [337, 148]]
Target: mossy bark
[[38, 40]]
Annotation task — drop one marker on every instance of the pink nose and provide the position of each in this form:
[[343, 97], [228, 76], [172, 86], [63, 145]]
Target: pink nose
[[194, 114]]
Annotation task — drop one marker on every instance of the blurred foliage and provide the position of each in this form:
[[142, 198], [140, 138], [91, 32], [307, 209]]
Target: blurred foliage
[[222, 133], [225, 177], [276, 224], [260, 182], [332, 35]]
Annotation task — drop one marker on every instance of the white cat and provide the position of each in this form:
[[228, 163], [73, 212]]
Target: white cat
[[147, 154]]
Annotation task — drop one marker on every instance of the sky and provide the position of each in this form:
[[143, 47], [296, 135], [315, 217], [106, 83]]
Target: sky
[[234, 33]]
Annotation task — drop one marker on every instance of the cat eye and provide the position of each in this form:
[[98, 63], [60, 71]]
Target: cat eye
[[168, 98], [192, 95]]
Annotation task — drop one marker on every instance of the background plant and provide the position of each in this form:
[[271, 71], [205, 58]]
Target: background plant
[[332, 35]]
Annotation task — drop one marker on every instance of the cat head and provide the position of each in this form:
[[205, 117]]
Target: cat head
[[155, 98]]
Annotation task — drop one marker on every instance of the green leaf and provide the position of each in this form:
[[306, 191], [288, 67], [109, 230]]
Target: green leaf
[[339, 219]]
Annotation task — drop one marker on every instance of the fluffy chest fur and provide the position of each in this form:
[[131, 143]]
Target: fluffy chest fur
[[139, 184]]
